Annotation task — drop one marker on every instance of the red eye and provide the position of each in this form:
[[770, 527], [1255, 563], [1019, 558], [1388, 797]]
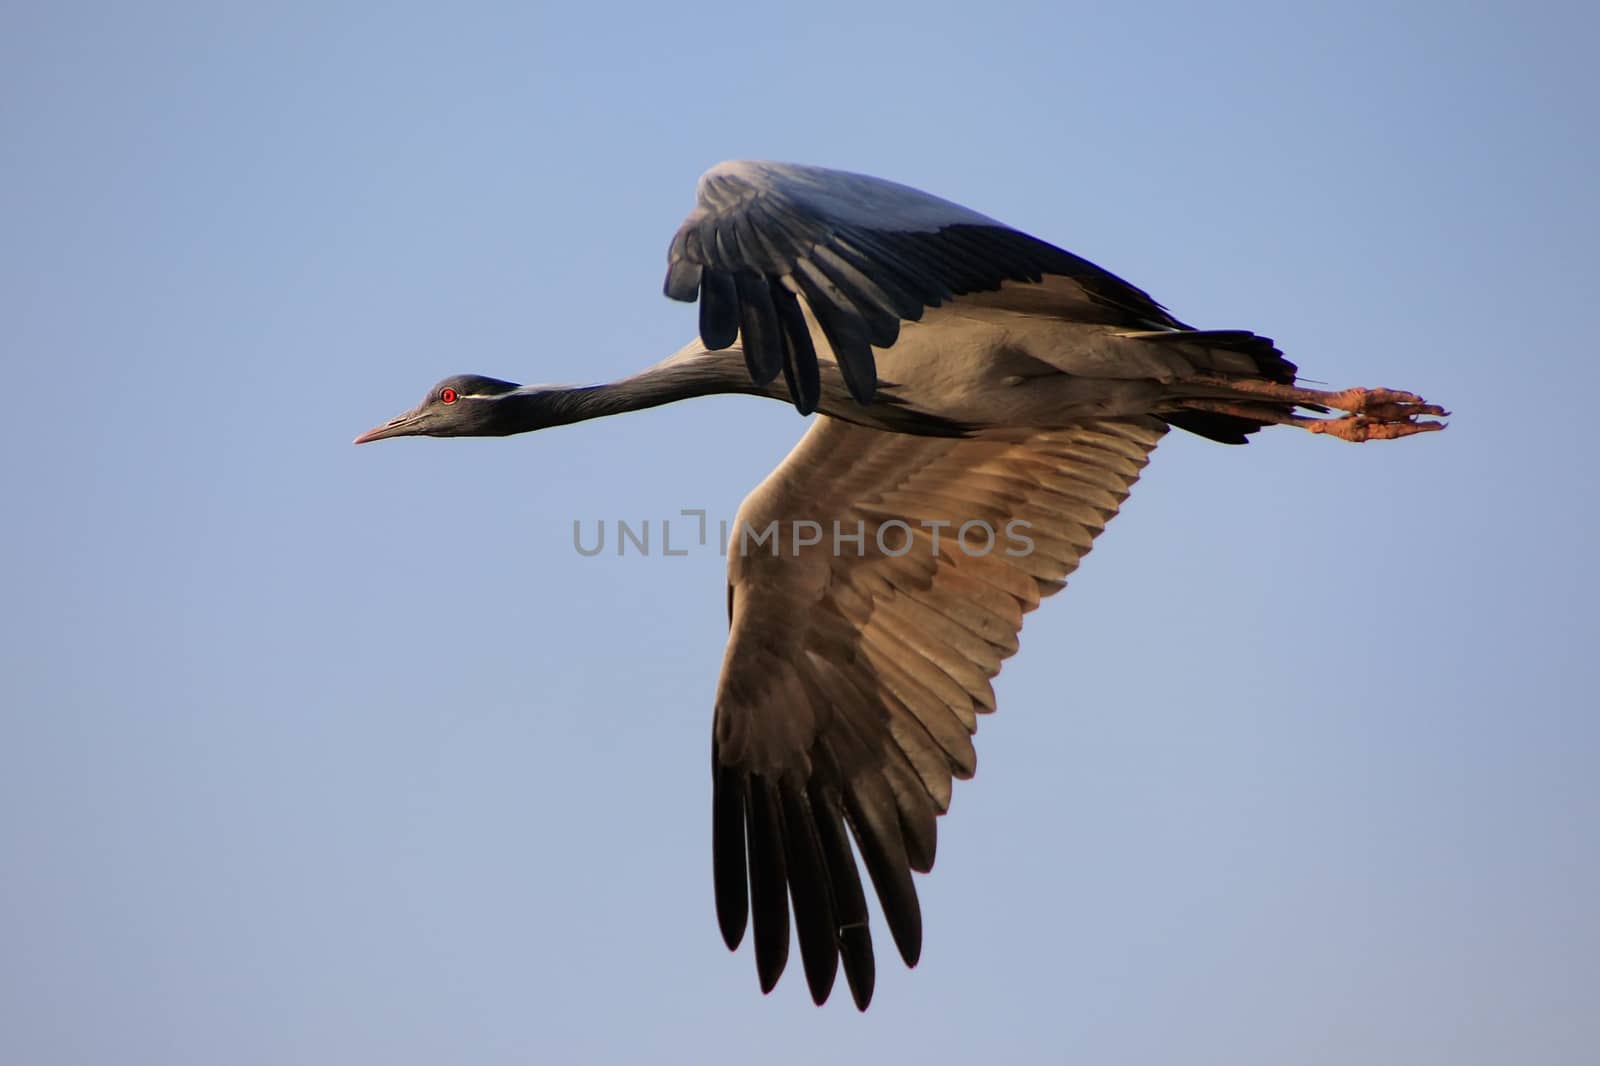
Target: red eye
[[447, 395]]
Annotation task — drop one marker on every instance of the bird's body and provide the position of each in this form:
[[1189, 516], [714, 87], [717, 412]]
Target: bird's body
[[987, 403]]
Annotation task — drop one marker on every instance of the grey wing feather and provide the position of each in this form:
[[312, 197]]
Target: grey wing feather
[[864, 254], [853, 681]]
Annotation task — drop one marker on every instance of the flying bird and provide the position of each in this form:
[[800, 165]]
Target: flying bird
[[969, 377]]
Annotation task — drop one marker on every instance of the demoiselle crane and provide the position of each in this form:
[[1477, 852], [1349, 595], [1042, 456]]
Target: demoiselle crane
[[968, 376]]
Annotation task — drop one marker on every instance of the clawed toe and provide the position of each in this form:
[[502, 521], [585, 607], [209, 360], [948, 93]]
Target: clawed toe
[[1398, 412], [1359, 428], [1360, 401], [1378, 414]]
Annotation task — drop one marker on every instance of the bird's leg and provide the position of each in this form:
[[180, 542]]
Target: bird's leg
[[1383, 424], [1371, 414]]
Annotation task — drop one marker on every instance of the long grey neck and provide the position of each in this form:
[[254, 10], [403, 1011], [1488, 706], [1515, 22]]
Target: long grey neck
[[693, 372], [680, 378]]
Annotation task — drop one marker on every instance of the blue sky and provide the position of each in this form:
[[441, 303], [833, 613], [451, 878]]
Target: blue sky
[[319, 754]]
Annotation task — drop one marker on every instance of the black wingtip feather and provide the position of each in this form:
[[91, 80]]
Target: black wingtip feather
[[860, 372], [877, 830], [849, 901], [848, 339], [759, 326], [800, 370], [727, 853], [683, 281], [810, 892], [860, 971], [719, 309], [769, 897], [870, 302], [921, 839], [901, 301]]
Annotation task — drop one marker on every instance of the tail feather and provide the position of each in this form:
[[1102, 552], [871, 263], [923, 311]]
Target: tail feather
[[1224, 429], [1234, 352], [1220, 351]]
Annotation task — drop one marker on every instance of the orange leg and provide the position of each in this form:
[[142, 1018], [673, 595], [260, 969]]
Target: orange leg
[[1376, 414]]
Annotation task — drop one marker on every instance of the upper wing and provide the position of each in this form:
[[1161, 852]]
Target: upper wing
[[863, 254], [855, 669]]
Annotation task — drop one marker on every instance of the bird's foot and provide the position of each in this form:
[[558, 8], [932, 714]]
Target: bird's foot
[[1364, 427], [1377, 414], [1370, 414], [1383, 405]]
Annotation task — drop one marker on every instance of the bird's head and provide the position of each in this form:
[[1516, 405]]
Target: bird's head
[[466, 405]]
